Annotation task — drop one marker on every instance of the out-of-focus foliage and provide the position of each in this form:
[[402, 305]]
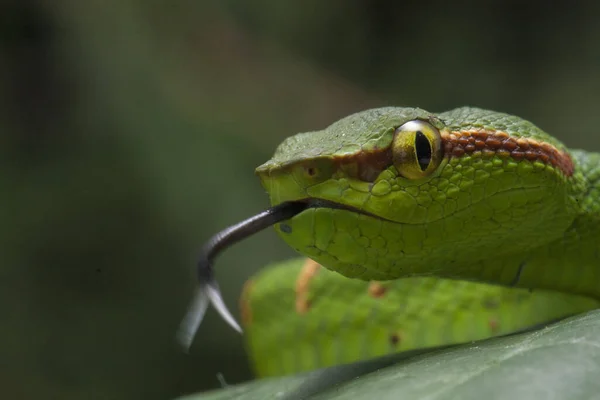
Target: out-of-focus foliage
[[130, 131]]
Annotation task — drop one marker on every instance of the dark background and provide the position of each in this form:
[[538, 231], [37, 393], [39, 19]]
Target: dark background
[[130, 130]]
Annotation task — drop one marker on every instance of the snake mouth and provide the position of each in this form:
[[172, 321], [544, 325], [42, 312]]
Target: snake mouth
[[208, 290], [312, 202]]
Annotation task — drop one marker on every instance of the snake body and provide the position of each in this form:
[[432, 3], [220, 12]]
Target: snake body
[[445, 222]]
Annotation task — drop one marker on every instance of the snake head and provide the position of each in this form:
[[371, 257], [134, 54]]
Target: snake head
[[396, 192]]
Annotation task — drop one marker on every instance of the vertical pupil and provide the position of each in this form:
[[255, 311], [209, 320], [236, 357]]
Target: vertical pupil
[[423, 150]]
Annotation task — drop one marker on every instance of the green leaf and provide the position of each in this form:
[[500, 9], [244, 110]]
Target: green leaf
[[561, 361]]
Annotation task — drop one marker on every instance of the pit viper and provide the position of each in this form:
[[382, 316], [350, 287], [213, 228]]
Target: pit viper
[[418, 230]]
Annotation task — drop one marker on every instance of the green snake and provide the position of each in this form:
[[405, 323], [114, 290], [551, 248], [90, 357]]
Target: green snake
[[446, 221]]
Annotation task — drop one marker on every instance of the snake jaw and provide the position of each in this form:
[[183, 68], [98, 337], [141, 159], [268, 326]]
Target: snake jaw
[[208, 291]]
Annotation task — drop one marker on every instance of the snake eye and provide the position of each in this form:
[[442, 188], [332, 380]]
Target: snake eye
[[417, 149]]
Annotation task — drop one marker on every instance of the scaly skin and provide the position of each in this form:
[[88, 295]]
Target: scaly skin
[[508, 204], [334, 320], [485, 216]]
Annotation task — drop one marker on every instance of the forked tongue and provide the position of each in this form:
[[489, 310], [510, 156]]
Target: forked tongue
[[208, 289]]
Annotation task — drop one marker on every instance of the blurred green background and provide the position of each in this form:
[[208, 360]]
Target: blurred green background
[[130, 131]]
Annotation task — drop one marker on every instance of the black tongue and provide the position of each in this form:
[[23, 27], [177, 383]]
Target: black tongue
[[208, 289]]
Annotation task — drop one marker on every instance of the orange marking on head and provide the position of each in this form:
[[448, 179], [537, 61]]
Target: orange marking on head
[[494, 325], [456, 144], [376, 289], [309, 270], [245, 308]]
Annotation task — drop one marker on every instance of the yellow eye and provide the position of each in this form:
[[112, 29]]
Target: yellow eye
[[417, 149]]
